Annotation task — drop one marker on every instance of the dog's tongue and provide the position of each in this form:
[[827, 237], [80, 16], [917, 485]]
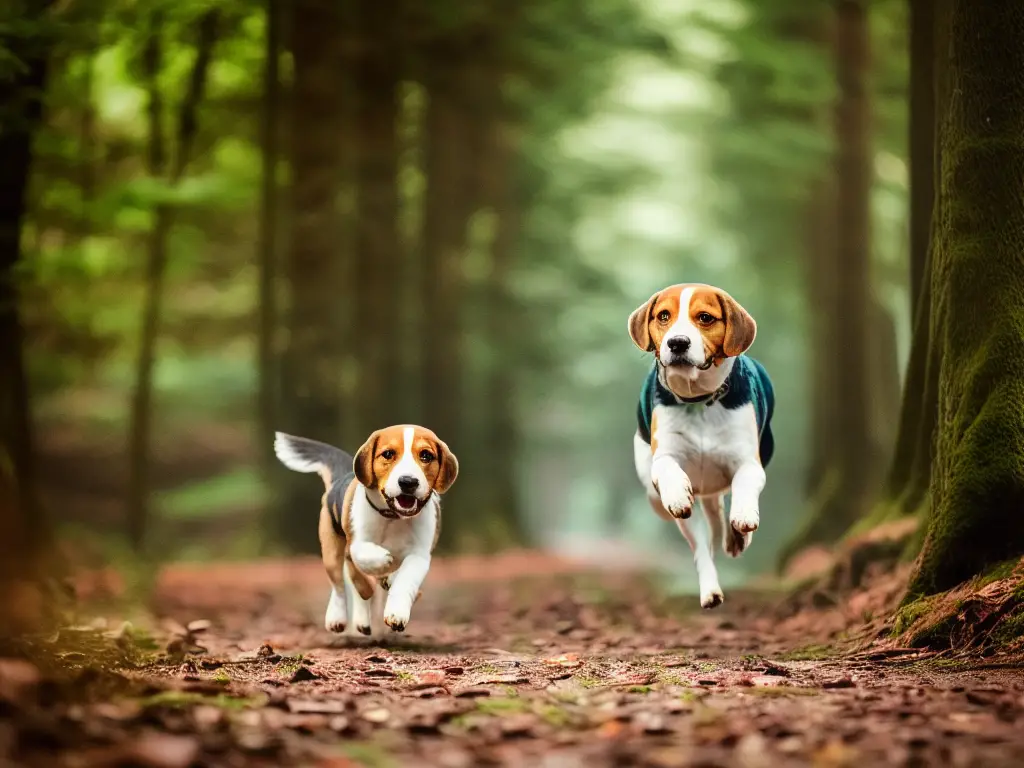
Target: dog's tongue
[[406, 502]]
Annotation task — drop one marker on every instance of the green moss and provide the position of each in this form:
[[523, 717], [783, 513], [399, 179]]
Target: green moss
[[640, 689], [999, 571], [908, 615], [503, 706], [1010, 629], [554, 716]]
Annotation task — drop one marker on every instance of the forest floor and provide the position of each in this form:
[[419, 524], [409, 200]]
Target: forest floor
[[521, 659]]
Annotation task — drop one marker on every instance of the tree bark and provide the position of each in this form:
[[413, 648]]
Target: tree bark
[[921, 141], [977, 486], [311, 385], [853, 235], [267, 243], [449, 154], [381, 340], [25, 533], [911, 465], [140, 419]]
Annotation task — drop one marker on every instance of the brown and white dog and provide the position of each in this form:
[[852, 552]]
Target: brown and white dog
[[380, 518], [703, 420]]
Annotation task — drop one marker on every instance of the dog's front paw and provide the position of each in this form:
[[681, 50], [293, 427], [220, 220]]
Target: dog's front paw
[[677, 496], [372, 559], [744, 518]]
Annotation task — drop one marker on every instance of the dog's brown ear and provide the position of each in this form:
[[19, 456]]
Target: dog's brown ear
[[740, 328], [362, 463], [639, 324], [449, 467]]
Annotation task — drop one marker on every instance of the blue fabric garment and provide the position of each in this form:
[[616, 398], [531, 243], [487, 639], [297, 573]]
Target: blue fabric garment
[[748, 382]]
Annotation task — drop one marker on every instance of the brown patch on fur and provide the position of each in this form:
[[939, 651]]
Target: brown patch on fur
[[707, 314], [654, 431], [645, 327]]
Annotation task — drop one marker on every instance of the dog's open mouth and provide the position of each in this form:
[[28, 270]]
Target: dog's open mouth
[[405, 502]]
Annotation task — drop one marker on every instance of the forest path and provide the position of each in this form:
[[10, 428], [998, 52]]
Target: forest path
[[518, 660]]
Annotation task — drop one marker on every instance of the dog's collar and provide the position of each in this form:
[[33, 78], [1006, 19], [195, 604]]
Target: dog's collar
[[387, 512]]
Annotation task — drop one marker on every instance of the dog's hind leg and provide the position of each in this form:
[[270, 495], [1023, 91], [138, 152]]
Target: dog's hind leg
[[698, 536], [714, 511]]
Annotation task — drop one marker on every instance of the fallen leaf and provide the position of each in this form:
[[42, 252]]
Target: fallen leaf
[[339, 724], [611, 729], [473, 692], [199, 625], [264, 651], [568, 660], [429, 678], [842, 682], [379, 672], [650, 722], [505, 680], [454, 671]]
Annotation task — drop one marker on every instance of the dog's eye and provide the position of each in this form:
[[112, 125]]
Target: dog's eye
[[426, 457], [705, 318], [387, 453], [664, 316]]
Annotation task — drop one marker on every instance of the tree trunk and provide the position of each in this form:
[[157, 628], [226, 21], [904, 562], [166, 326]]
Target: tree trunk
[[449, 156], [382, 340], [853, 235], [311, 386], [137, 502], [977, 487], [498, 424], [911, 465], [25, 533], [266, 246], [922, 142], [846, 459]]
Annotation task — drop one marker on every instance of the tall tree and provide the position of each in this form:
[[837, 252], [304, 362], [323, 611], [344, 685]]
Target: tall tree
[[312, 363], [910, 469], [977, 271], [140, 419], [382, 342], [267, 240], [24, 529]]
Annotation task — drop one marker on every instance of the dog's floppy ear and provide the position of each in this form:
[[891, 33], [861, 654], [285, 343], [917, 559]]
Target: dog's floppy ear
[[362, 463], [449, 467], [740, 328], [639, 324]]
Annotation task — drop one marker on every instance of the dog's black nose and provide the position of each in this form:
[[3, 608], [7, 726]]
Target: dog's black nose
[[408, 484], [677, 345]]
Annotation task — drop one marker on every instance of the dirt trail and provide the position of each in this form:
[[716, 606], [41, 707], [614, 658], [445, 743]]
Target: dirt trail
[[521, 660]]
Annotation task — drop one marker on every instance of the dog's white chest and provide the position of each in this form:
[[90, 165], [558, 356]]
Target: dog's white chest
[[709, 442]]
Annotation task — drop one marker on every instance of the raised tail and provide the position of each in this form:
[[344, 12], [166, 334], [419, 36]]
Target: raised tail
[[304, 455]]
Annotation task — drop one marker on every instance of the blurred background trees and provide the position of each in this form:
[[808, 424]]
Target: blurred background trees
[[324, 218]]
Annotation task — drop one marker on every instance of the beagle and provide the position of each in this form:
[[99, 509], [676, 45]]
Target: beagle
[[703, 420], [380, 518]]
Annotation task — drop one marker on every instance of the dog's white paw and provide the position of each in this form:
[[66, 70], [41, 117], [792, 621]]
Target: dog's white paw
[[372, 559], [736, 543], [712, 597], [337, 614], [677, 495], [396, 614], [744, 518]]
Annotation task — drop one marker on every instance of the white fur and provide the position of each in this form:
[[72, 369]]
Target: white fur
[[704, 451], [399, 549], [287, 456]]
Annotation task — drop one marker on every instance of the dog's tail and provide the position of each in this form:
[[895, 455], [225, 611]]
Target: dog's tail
[[304, 455]]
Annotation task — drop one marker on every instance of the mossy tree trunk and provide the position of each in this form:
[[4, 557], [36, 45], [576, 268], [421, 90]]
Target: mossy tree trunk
[[977, 486], [318, 295]]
